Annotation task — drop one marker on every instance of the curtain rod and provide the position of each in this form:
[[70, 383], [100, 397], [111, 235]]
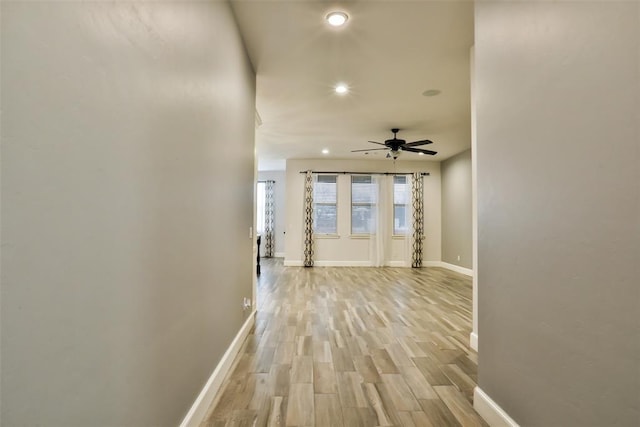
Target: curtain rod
[[365, 173]]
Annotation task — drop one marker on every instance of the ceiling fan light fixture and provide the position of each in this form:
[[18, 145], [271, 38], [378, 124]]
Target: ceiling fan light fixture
[[337, 19], [420, 154]]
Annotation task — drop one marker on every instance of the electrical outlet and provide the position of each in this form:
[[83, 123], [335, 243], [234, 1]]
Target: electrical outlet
[[251, 232], [246, 304], [458, 257]]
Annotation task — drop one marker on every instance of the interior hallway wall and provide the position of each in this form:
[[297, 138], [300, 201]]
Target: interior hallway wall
[[457, 236], [558, 134], [125, 210], [280, 194]]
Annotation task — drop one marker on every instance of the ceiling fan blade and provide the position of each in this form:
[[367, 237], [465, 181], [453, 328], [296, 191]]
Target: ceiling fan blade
[[414, 143], [419, 150], [379, 143], [370, 149]]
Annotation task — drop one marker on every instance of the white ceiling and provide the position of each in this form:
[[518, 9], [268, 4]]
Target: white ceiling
[[388, 53]]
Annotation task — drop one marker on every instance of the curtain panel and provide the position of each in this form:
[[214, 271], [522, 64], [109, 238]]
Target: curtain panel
[[308, 219], [418, 219], [269, 219]]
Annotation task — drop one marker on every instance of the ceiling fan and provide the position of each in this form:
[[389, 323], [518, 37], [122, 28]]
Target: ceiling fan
[[395, 146]]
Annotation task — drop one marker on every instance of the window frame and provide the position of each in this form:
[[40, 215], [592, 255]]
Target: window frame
[[352, 204], [317, 234], [394, 204]]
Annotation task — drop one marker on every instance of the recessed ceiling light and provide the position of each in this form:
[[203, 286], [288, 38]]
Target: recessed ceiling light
[[431, 92], [342, 89], [337, 19], [325, 151]]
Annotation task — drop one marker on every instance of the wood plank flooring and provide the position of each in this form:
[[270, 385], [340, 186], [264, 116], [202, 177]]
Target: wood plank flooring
[[354, 347]]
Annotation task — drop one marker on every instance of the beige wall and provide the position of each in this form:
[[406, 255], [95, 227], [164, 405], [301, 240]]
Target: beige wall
[[558, 131], [347, 250], [456, 210], [125, 210]]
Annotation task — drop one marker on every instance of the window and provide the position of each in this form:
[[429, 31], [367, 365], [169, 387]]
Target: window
[[325, 212], [401, 200], [260, 195], [363, 200]]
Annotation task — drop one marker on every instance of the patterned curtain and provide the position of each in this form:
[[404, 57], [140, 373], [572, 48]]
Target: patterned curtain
[[308, 219], [269, 219], [418, 219]]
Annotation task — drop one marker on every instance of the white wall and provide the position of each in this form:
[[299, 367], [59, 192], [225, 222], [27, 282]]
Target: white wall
[[125, 210], [280, 195], [347, 250], [558, 155]]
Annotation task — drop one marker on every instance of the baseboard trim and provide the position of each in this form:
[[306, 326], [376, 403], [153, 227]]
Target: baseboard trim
[[198, 410], [398, 264], [324, 263], [452, 267], [432, 263], [458, 269], [473, 341], [492, 413], [342, 263]]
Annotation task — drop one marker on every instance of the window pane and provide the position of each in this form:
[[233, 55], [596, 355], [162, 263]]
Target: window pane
[[399, 179], [361, 219], [401, 198], [363, 200], [325, 192], [330, 179], [362, 189], [399, 219], [400, 190], [325, 219]]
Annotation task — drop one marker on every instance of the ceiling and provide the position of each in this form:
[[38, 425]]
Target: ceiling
[[388, 54]]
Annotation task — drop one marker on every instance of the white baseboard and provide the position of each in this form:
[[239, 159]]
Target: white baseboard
[[452, 267], [432, 263], [457, 268], [198, 410], [398, 264], [325, 263], [493, 414], [473, 341], [342, 263]]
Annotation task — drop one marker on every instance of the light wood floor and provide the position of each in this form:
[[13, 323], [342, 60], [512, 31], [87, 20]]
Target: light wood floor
[[354, 347]]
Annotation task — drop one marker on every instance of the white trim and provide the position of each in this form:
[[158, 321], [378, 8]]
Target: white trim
[[492, 413], [203, 402], [473, 341], [329, 263], [326, 236], [432, 263], [278, 255], [474, 195], [457, 269], [452, 267], [397, 264]]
